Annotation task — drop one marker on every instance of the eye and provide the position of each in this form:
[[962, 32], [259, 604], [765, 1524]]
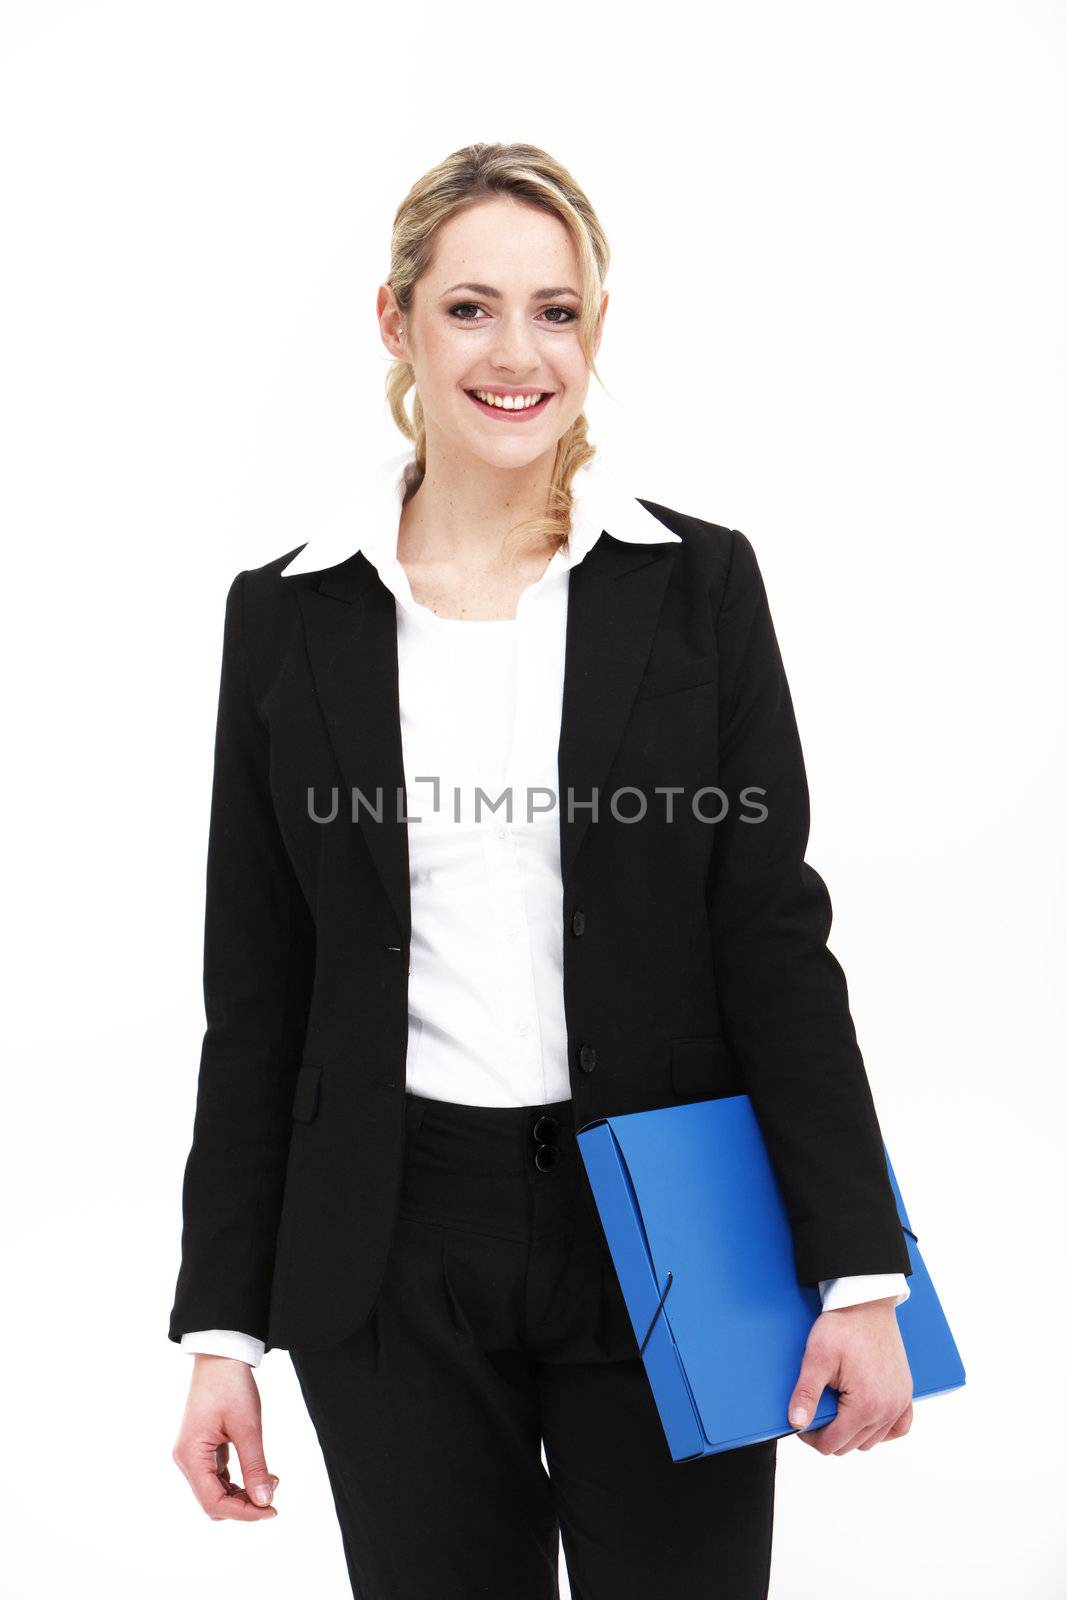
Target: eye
[[459, 313], [466, 305]]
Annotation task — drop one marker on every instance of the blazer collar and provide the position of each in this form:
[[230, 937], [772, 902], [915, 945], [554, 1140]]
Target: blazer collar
[[614, 600], [370, 522]]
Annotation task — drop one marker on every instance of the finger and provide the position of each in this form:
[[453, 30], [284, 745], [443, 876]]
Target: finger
[[876, 1438], [216, 1495], [864, 1438], [903, 1423], [851, 1422], [897, 1429], [247, 1437], [815, 1373], [222, 1468]]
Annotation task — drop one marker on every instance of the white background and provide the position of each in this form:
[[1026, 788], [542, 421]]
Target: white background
[[837, 322]]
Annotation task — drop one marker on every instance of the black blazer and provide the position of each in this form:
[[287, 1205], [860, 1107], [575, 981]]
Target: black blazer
[[695, 954]]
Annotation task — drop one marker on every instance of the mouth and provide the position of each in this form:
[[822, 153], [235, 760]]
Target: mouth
[[512, 407]]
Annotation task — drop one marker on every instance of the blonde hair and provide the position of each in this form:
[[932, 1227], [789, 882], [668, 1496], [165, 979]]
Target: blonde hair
[[466, 177]]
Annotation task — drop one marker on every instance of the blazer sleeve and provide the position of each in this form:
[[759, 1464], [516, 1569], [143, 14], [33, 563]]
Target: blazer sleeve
[[782, 994], [259, 956]]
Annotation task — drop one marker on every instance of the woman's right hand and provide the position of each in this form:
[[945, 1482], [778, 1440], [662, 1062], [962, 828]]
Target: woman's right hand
[[223, 1408]]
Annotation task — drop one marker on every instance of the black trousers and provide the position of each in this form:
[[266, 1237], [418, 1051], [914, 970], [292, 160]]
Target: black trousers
[[501, 1324]]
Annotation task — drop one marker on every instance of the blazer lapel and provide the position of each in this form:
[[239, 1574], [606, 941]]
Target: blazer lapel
[[613, 609], [350, 626]]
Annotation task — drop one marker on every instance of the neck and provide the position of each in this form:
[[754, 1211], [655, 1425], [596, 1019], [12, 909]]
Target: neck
[[464, 506]]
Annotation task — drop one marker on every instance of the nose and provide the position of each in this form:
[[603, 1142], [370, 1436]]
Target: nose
[[513, 347]]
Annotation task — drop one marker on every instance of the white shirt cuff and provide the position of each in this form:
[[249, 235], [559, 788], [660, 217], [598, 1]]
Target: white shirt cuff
[[852, 1291], [225, 1342]]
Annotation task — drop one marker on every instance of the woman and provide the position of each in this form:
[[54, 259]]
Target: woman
[[410, 1011]]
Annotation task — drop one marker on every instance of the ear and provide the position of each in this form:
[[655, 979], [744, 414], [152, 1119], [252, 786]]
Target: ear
[[600, 323]]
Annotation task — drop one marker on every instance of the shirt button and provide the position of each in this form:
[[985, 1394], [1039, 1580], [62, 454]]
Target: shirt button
[[522, 1027], [587, 1058], [578, 924]]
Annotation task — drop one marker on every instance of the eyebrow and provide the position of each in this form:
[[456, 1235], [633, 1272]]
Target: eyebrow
[[494, 294]]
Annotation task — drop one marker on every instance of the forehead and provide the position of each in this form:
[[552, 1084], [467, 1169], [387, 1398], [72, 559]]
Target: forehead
[[505, 243]]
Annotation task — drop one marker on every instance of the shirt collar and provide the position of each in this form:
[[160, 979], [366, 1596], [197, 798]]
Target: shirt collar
[[371, 523]]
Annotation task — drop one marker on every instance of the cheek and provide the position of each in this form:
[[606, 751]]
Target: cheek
[[444, 360], [572, 376], [570, 364]]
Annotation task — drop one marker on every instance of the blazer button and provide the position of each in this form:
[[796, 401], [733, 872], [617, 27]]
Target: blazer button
[[578, 924], [587, 1058]]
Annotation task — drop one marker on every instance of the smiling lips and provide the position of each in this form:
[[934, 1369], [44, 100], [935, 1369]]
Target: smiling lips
[[512, 405]]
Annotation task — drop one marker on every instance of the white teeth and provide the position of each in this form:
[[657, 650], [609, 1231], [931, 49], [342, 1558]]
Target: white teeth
[[507, 402]]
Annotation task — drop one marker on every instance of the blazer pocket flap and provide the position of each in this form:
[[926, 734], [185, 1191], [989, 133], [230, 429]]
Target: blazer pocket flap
[[683, 675], [695, 1063], [306, 1098]]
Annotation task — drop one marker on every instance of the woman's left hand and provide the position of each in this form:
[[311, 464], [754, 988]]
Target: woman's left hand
[[858, 1351]]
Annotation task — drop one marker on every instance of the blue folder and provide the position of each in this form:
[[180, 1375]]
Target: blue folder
[[698, 1231]]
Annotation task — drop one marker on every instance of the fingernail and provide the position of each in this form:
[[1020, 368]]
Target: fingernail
[[800, 1417], [263, 1493], [274, 1480]]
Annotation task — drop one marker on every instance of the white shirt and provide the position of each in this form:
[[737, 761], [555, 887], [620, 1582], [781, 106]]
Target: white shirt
[[480, 705]]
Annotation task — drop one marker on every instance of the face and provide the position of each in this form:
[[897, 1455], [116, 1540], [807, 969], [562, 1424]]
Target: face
[[482, 321]]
